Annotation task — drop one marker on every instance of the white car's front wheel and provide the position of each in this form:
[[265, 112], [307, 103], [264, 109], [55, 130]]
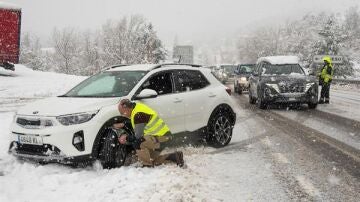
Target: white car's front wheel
[[220, 128], [113, 154]]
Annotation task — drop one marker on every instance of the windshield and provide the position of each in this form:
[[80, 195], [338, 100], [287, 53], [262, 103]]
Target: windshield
[[245, 69], [286, 69], [107, 84], [228, 68]]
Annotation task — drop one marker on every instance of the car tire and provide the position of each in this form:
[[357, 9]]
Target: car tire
[[252, 100], [220, 129], [113, 154], [312, 105], [235, 88], [261, 104]]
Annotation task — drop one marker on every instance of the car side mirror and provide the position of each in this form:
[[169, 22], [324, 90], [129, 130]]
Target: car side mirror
[[311, 72], [255, 74], [146, 93]]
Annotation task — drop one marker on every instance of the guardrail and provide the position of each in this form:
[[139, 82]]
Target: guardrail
[[347, 81]]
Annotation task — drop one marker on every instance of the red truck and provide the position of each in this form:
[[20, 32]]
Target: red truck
[[10, 27]]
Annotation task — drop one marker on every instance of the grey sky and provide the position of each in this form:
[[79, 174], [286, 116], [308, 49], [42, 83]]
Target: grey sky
[[189, 20]]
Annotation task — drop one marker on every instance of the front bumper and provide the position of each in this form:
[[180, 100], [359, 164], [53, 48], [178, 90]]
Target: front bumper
[[272, 96], [57, 142], [291, 98], [36, 154]]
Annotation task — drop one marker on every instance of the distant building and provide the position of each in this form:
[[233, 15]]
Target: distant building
[[183, 54]]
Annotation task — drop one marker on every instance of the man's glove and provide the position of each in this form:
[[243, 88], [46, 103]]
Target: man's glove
[[122, 139], [135, 142]]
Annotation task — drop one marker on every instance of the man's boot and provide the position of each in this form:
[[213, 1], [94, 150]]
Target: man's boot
[[180, 159], [176, 157], [327, 101], [321, 101]]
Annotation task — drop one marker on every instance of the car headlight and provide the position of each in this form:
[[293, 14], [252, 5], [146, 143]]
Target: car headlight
[[308, 86], [273, 86], [72, 119]]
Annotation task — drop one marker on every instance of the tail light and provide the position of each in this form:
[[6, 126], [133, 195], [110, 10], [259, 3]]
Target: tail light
[[228, 90]]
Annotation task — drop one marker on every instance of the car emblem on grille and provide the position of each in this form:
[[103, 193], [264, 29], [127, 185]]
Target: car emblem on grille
[[35, 112]]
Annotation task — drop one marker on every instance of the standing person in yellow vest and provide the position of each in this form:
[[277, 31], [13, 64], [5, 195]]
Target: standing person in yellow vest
[[326, 75], [150, 131]]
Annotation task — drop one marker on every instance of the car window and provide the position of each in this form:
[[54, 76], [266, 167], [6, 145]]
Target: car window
[[160, 82], [228, 68], [283, 69], [101, 85], [107, 84], [187, 80], [245, 69]]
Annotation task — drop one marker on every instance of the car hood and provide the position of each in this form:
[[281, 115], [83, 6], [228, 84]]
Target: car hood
[[287, 79], [56, 106]]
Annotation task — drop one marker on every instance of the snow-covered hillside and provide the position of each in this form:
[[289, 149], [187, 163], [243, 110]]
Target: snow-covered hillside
[[25, 82]]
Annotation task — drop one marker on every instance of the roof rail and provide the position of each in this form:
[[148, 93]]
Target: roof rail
[[174, 64], [120, 65], [114, 66]]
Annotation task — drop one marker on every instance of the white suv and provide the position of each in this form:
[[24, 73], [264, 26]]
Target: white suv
[[75, 127]]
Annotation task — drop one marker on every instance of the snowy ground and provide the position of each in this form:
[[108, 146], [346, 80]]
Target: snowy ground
[[345, 102]]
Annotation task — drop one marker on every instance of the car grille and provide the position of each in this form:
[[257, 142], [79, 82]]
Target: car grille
[[33, 123], [292, 88], [28, 122], [41, 150]]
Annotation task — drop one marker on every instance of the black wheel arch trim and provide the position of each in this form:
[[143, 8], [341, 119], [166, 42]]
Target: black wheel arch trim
[[225, 107]]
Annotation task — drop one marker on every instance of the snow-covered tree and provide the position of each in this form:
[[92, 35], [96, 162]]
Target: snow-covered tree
[[325, 34], [131, 41], [66, 46], [89, 56], [30, 53]]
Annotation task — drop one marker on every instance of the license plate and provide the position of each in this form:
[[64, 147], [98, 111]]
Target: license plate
[[30, 139], [292, 99]]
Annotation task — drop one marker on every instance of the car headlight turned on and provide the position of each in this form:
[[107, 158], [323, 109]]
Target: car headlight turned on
[[243, 79], [72, 119], [273, 86]]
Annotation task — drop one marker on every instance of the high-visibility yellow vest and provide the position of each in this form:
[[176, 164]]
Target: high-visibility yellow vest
[[325, 75], [155, 127]]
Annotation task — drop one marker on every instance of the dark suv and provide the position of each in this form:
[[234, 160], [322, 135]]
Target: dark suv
[[280, 79]]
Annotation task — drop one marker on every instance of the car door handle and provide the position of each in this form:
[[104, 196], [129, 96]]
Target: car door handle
[[212, 95], [177, 100]]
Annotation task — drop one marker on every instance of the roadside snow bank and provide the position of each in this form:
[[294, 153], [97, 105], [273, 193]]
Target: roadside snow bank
[[25, 82]]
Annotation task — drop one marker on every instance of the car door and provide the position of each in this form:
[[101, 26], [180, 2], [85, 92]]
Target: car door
[[194, 89], [168, 105]]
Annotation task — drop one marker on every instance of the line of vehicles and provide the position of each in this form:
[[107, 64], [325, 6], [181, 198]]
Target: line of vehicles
[[72, 128], [273, 80]]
